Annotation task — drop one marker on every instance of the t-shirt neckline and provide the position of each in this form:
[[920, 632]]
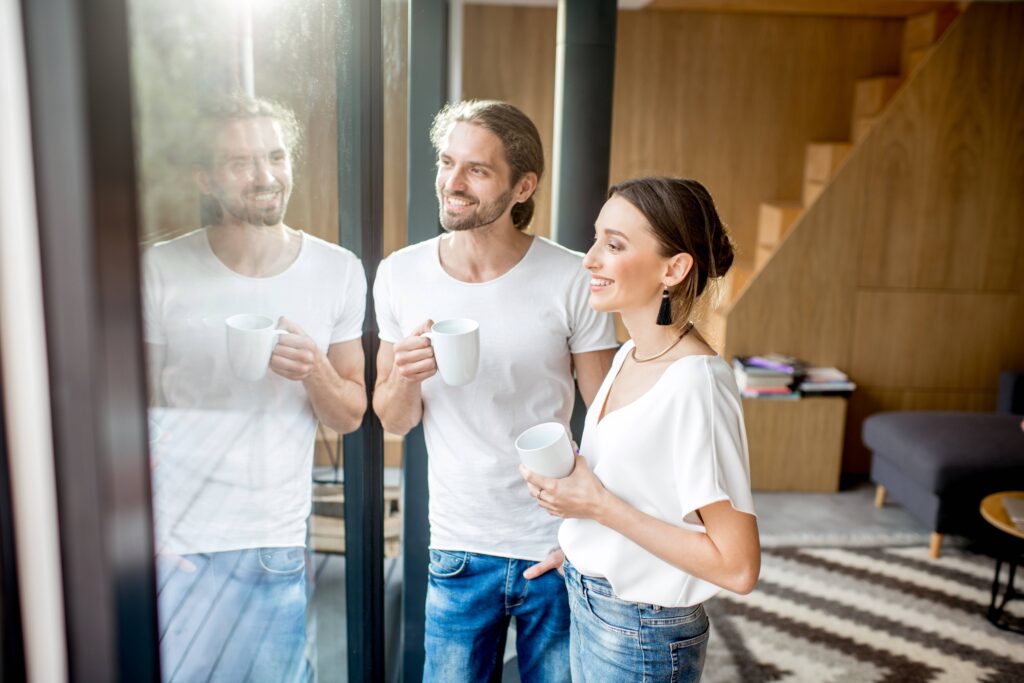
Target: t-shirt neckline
[[507, 273], [208, 248]]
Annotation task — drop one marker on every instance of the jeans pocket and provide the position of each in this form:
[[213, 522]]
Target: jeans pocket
[[688, 657], [672, 617], [611, 613], [446, 563], [282, 560]]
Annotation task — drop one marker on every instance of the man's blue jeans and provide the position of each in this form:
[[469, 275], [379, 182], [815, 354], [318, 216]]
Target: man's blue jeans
[[615, 641], [234, 616], [470, 600]]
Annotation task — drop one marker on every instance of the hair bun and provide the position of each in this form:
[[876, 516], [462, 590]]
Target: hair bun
[[723, 251]]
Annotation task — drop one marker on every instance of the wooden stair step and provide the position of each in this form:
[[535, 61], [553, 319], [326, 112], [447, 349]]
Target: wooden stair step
[[861, 128], [922, 31], [774, 220], [763, 255], [870, 95], [733, 282], [915, 58], [812, 188], [824, 158]]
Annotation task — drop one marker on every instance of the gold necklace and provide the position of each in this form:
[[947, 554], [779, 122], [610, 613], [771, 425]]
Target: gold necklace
[[689, 326]]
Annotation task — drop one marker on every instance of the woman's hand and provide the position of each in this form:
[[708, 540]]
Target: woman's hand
[[580, 495]]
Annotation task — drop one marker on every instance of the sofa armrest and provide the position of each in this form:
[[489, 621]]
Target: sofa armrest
[[1011, 392]]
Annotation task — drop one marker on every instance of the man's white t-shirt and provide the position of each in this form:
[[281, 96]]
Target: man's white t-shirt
[[677, 448], [531, 319], [232, 459]]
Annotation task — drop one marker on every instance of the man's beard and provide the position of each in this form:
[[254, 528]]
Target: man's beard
[[255, 216], [483, 215]]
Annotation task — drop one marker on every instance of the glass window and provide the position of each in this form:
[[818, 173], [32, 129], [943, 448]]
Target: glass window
[[253, 318]]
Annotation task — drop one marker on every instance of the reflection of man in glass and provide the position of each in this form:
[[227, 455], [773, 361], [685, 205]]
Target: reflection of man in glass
[[491, 547], [234, 423]]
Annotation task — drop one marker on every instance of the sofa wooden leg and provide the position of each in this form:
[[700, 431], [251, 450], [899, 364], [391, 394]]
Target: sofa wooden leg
[[936, 546], [879, 496]]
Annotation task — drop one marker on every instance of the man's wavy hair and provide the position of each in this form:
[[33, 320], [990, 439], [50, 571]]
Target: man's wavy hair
[[215, 114]]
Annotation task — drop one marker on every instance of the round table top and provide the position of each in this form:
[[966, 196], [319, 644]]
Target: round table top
[[995, 514]]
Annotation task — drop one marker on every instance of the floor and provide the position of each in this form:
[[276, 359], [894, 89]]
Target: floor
[[849, 517]]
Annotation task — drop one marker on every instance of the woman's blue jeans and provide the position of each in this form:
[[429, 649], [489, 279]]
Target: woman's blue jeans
[[470, 600], [614, 641]]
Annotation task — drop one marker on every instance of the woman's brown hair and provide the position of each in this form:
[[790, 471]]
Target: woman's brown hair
[[682, 217]]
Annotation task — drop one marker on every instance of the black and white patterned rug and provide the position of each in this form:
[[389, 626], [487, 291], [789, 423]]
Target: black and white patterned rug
[[864, 614]]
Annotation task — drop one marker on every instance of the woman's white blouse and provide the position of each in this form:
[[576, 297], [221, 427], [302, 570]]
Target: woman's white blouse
[[675, 449]]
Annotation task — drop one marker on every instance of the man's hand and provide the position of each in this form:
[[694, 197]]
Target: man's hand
[[554, 560], [414, 357], [296, 354]]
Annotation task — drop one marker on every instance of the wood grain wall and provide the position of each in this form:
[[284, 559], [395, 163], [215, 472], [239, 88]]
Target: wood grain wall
[[908, 272], [729, 99]]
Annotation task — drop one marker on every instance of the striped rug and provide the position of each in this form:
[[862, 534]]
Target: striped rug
[[879, 614]]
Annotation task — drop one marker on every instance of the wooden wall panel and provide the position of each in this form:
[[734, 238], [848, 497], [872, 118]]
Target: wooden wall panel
[[839, 8], [732, 100], [926, 261], [728, 99], [509, 54], [946, 225], [919, 339]]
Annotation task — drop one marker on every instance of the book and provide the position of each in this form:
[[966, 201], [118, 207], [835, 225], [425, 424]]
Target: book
[[739, 364], [825, 380], [776, 361], [783, 395]]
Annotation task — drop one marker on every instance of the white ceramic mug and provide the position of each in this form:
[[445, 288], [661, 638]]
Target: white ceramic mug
[[251, 341], [546, 450], [456, 345]]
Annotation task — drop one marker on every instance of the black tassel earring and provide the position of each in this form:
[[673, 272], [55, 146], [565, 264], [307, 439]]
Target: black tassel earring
[[665, 312]]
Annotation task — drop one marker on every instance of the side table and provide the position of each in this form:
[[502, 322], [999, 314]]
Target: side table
[[995, 514]]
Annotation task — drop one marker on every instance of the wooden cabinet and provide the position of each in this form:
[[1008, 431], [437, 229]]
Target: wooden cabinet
[[795, 445]]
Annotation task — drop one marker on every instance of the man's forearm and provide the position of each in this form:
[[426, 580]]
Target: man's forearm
[[399, 404], [338, 402]]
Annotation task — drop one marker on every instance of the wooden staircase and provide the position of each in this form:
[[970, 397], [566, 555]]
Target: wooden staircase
[[823, 159]]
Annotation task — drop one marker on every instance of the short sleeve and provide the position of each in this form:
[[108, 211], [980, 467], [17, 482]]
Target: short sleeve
[[710, 456], [349, 324], [591, 330], [152, 297], [387, 324]]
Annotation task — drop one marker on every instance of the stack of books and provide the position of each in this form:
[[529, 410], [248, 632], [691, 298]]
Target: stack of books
[[825, 381], [767, 376]]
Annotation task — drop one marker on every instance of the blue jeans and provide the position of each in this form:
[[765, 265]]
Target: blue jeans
[[470, 600], [234, 616], [614, 641]]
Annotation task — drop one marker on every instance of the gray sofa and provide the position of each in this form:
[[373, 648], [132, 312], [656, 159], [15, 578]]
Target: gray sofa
[[939, 465]]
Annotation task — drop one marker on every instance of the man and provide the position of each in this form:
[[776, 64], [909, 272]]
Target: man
[[232, 456], [491, 546]]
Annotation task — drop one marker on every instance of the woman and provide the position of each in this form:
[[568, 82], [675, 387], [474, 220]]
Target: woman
[[658, 510]]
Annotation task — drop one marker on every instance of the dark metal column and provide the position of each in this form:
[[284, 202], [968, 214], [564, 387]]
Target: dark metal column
[[585, 73], [361, 204], [81, 115], [427, 68]]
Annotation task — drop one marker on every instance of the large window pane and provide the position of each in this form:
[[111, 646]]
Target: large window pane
[[253, 322]]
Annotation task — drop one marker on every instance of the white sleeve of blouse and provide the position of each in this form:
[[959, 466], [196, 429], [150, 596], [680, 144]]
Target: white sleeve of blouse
[[710, 456]]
